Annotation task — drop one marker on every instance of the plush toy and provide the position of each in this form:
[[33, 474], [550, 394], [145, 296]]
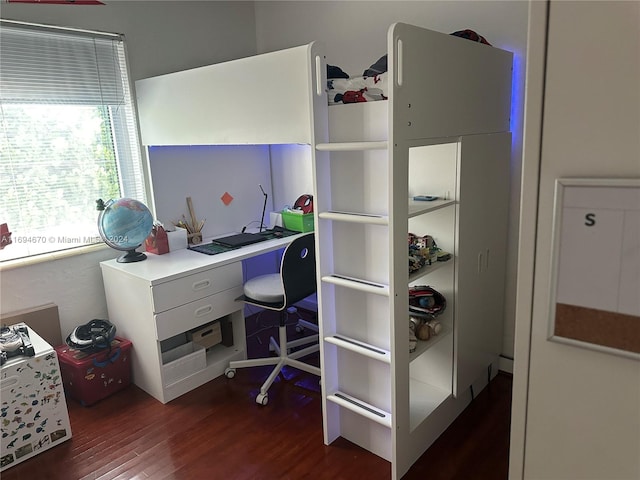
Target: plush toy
[[423, 332], [351, 96], [412, 336], [434, 327]]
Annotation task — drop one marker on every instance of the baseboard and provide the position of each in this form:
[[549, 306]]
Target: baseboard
[[505, 364]]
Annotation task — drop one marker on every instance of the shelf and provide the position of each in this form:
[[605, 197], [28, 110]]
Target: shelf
[[423, 401], [361, 408], [355, 217], [357, 284], [424, 345], [352, 146], [359, 347], [427, 269], [218, 358], [419, 208]]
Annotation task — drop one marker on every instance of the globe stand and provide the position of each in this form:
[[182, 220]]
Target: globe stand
[[131, 256]]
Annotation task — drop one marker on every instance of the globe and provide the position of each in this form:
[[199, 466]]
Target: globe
[[124, 224]]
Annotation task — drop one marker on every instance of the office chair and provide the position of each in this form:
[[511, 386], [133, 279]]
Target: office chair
[[279, 291]]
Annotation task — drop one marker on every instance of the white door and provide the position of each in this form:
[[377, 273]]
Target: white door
[[576, 411]]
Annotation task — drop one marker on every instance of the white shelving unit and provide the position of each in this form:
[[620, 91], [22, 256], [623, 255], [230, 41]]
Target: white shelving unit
[[441, 135]]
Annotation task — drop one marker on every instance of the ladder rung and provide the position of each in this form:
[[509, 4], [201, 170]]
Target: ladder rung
[[352, 146], [362, 348], [354, 217], [357, 284], [361, 408]]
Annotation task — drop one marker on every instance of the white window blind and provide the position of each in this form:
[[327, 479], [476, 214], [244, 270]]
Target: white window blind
[[68, 135]]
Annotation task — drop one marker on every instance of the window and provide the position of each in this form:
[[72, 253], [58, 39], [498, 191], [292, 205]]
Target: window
[[68, 135]]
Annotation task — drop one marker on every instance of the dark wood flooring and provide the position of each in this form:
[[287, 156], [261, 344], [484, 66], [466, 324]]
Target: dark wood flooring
[[217, 431]]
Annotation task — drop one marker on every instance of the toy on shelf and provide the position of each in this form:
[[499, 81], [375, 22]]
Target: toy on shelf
[[424, 251], [425, 304]]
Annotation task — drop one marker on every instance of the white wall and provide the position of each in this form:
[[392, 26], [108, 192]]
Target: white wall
[[162, 37], [206, 173], [355, 36], [576, 411]]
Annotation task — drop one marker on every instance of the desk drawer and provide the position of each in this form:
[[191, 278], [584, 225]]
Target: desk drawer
[[192, 315], [193, 287]]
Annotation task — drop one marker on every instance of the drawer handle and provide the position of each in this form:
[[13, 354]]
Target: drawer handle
[[201, 284], [208, 332], [203, 310]]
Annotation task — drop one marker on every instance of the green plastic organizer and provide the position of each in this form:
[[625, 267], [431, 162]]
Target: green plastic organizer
[[299, 222]]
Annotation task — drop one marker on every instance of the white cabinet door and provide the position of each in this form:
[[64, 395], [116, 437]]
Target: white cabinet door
[[482, 234]]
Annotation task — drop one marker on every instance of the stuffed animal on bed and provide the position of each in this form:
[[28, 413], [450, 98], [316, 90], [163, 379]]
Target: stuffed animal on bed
[[351, 96], [363, 95]]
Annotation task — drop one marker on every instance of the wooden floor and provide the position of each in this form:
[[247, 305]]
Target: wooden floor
[[218, 432]]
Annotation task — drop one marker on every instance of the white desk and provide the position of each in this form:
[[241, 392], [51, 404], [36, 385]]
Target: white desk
[[156, 302]]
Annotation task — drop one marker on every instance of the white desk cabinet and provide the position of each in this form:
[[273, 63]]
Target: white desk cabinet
[[157, 302], [156, 314]]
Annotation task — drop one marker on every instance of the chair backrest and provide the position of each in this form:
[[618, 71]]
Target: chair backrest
[[298, 269]]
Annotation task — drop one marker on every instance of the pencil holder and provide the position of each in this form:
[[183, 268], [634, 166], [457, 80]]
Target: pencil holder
[[194, 238]]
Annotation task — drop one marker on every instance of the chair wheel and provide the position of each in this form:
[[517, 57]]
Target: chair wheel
[[230, 372], [299, 328], [262, 399]]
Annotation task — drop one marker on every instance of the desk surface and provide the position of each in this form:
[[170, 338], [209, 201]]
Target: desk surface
[[162, 268]]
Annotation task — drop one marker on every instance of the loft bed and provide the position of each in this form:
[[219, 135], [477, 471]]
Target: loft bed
[[280, 98], [443, 92], [272, 98]]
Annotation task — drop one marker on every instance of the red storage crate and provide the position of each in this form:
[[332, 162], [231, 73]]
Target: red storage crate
[[88, 378]]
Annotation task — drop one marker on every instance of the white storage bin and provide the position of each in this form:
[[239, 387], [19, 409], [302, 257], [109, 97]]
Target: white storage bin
[[177, 239], [182, 361]]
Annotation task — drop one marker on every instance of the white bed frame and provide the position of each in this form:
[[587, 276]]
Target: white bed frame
[[263, 99], [448, 93]]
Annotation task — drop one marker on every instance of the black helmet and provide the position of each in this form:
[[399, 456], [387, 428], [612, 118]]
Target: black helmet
[[94, 335], [425, 301]]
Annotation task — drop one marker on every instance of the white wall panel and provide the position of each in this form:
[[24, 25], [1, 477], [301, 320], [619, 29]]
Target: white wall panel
[[206, 173], [577, 411]]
